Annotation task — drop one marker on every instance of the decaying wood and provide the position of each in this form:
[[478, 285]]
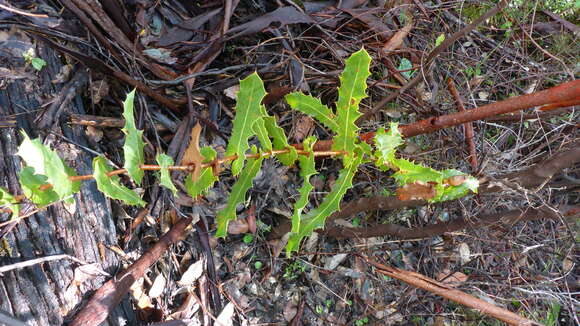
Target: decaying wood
[[111, 293], [42, 294]]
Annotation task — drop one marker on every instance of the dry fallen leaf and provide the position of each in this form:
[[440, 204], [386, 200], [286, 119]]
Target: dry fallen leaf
[[303, 128], [226, 317], [192, 273], [232, 91], [238, 226], [453, 280], [99, 89], [192, 154], [396, 41], [157, 287], [414, 191]]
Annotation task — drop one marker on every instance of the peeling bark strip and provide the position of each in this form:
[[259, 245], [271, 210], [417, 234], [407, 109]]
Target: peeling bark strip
[[441, 289], [569, 91], [111, 293]]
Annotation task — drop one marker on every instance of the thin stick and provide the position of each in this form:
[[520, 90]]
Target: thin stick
[[467, 127], [35, 261]]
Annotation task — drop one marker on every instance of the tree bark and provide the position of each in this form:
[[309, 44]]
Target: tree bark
[[38, 294]]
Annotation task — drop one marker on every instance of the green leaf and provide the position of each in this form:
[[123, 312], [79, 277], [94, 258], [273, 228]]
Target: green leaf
[[206, 177], [37, 63], [405, 64], [31, 184], [316, 218], [307, 169], [46, 162], [387, 143], [164, 161], [204, 182], [248, 111], [313, 107], [6, 199], [133, 147], [262, 133], [280, 141], [111, 186], [410, 172], [439, 39], [450, 192], [237, 196], [353, 85]]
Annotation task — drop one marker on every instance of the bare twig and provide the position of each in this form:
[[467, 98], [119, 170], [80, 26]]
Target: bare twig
[[32, 262], [432, 55], [467, 127], [443, 290], [111, 293]]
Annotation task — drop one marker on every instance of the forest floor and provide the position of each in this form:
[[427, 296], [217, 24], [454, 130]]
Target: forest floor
[[529, 268]]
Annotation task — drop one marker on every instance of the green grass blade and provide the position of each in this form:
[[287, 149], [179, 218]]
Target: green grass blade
[[237, 196], [111, 186], [307, 169], [6, 199], [165, 179], [316, 218], [280, 141], [46, 162], [134, 145], [313, 107], [248, 111], [353, 85]]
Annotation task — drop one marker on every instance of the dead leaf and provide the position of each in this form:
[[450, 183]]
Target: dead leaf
[[192, 273], [157, 287], [303, 128], [251, 219], [232, 91], [226, 317], [138, 294], [238, 226], [453, 280], [277, 18], [397, 40], [192, 154], [464, 253], [99, 89], [95, 134], [414, 191]]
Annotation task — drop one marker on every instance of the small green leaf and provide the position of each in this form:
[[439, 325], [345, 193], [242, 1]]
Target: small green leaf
[[353, 85], [313, 107], [6, 199], [316, 218], [47, 162], [206, 177], [111, 186], [406, 65], [262, 133], [410, 172], [38, 63], [258, 265], [307, 169], [164, 161], [31, 183], [248, 238], [134, 145], [248, 111], [387, 143], [439, 39], [204, 182], [280, 141], [238, 195]]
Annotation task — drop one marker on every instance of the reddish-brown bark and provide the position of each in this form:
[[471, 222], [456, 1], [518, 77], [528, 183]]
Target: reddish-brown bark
[[565, 92]]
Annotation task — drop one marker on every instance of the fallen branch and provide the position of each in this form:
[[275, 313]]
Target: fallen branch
[[506, 219], [110, 294], [568, 91], [443, 290]]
